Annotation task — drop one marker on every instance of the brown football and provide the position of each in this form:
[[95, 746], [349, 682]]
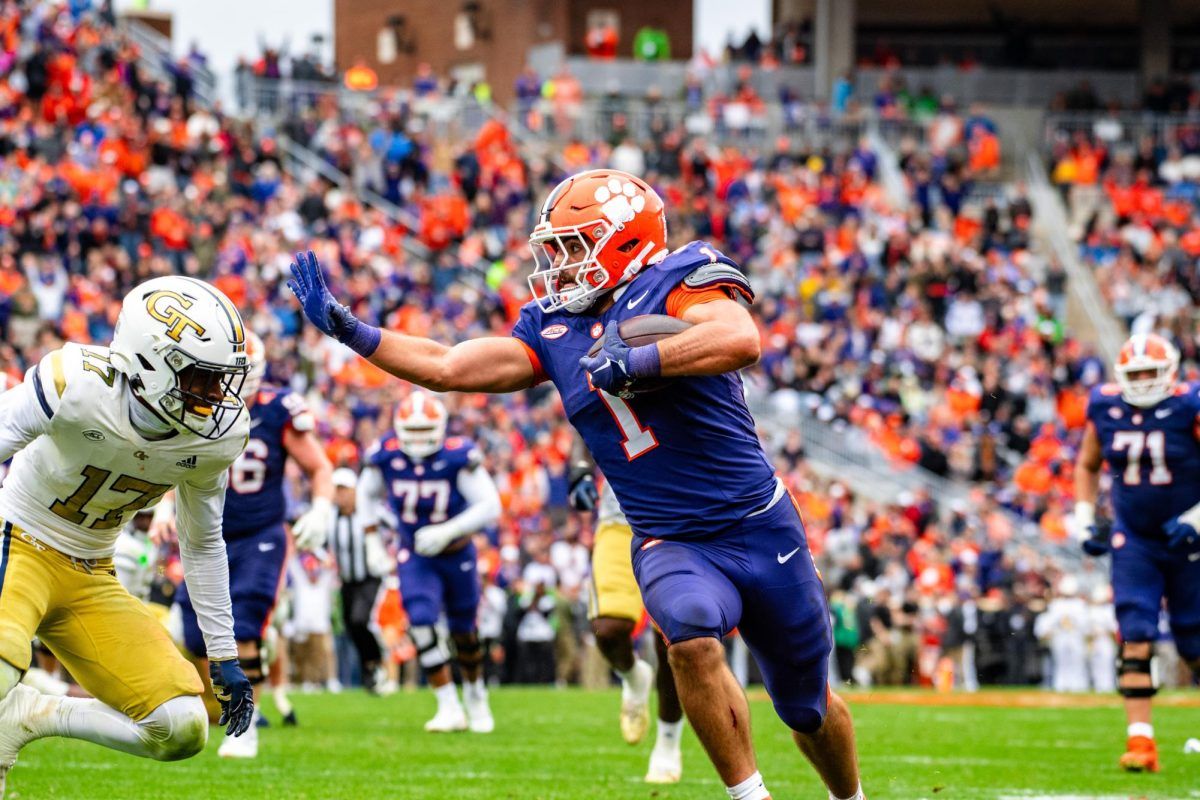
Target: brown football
[[645, 329]]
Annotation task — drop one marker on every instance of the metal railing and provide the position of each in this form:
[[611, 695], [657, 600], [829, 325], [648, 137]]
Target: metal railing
[[1050, 219], [1120, 128], [155, 58]]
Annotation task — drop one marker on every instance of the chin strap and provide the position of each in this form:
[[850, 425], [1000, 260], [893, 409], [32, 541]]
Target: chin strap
[[145, 420]]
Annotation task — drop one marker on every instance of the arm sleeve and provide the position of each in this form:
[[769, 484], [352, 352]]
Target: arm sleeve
[[202, 550], [25, 414], [372, 500], [483, 508]]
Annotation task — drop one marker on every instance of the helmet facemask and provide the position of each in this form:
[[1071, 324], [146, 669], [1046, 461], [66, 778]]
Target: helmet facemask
[[206, 397], [1145, 382], [569, 253]]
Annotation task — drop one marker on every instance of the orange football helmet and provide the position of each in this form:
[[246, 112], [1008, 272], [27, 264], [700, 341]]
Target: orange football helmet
[[595, 231], [420, 425], [1147, 369]]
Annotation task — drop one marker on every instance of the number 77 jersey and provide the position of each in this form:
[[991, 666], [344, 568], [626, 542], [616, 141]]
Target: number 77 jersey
[[1153, 454]]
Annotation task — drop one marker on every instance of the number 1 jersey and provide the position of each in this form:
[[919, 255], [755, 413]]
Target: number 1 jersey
[[684, 461], [1153, 454]]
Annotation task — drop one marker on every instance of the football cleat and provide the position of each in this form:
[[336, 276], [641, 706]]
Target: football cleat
[[447, 720], [1141, 755], [635, 702], [666, 766], [244, 746], [479, 713], [15, 714]]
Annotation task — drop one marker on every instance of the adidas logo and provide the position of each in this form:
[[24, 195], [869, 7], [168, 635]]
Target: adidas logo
[[187, 463]]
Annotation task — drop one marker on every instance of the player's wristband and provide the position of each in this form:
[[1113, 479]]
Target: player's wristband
[[1085, 514], [645, 361], [363, 338]]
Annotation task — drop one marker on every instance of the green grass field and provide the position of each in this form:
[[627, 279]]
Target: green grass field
[[564, 744]]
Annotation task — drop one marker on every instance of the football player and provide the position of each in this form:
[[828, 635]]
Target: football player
[[717, 541], [1146, 427], [615, 612], [281, 427], [440, 495], [100, 433]]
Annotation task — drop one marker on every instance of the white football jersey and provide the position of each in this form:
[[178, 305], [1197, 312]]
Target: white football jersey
[[76, 485]]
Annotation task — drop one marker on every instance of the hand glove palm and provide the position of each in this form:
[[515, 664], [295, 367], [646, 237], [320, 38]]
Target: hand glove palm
[[235, 694]]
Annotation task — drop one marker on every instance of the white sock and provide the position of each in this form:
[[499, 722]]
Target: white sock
[[632, 680], [92, 721], [750, 789], [858, 795], [669, 735], [1140, 729], [282, 703], [447, 696], [474, 690]]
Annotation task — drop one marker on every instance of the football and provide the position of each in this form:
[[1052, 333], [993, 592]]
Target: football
[[645, 329]]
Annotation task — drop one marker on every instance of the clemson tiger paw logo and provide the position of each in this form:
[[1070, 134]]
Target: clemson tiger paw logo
[[619, 201]]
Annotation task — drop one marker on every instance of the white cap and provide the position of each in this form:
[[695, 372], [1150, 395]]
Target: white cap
[[344, 478]]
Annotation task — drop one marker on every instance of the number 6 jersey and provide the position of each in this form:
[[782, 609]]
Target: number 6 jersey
[[1153, 454], [81, 470], [256, 500]]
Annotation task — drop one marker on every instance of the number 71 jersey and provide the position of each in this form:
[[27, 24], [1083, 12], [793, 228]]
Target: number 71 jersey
[[75, 486], [1153, 454]]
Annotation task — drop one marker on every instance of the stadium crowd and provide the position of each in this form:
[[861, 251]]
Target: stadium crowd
[[927, 321]]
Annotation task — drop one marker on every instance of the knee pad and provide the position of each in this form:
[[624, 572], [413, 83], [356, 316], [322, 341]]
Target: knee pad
[[1137, 670], [801, 719], [176, 730], [697, 613], [10, 676], [253, 667], [468, 649], [432, 651]]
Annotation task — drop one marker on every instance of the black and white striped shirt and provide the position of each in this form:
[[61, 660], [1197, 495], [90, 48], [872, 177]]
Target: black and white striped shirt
[[349, 545]]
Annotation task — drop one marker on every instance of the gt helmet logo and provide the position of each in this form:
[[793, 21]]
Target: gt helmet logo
[[159, 307]]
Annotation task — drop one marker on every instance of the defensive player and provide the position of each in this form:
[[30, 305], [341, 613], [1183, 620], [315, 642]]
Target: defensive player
[[440, 494], [717, 543], [281, 427], [1146, 426], [99, 434], [615, 612]]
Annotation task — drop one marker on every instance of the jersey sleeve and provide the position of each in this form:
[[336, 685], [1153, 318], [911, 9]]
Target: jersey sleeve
[[201, 504], [299, 418], [526, 332], [25, 413]]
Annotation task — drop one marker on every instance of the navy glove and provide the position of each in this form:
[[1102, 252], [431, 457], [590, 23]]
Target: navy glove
[[235, 694], [1182, 537], [615, 367], [583, 495], [1099, 534], [333, 318]]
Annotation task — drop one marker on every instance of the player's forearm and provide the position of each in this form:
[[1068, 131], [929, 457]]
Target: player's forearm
[[476, 366], [1087, 485], [709, 348]]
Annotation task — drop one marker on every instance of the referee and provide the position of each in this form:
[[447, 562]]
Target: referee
[[362, 560]]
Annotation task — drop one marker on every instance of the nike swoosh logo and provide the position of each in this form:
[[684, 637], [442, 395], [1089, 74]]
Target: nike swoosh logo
[[633, 303], [782, 559], [1162, 412], [266, 547], [607, 363]]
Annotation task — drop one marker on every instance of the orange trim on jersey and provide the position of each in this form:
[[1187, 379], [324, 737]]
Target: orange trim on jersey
[[539, 374], [682, 298], [1110, 389]]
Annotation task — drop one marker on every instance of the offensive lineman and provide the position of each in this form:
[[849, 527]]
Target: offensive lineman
[[99, 434], [1146, 427], [614, 611], [281, 427], [440, 495], [717, 542]]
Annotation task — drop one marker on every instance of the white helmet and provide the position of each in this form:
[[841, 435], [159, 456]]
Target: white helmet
[[256, 352], [1147, 369], [420, 424], [182, 345]]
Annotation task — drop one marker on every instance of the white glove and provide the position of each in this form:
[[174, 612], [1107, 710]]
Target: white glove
[[312, 529], [433, 539], [379, 562], [1083, 519]]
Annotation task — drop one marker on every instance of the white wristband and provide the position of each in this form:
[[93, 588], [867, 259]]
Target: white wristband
[[1085, 515]]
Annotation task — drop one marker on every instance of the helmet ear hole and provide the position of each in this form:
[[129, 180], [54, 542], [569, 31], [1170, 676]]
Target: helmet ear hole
[[630, 245], [146, 365]]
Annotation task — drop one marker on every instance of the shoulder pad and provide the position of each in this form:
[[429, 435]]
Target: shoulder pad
[[717, 273]]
